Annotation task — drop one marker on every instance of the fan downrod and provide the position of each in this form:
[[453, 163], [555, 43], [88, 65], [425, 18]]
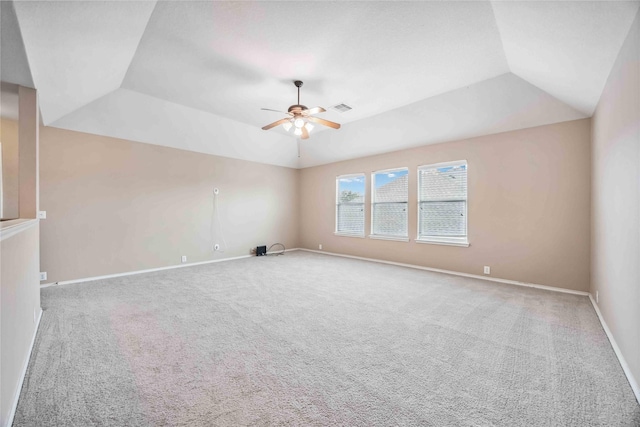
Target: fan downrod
[[298, 84]]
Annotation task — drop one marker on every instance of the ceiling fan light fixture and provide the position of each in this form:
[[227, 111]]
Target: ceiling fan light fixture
[[299, 117]]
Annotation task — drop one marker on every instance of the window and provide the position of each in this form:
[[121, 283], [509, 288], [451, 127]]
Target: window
[[442, 203], [389, 197], [350, 205]]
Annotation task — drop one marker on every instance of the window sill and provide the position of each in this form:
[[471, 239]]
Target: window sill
[[361, 236], [394, 238], [445, 241]]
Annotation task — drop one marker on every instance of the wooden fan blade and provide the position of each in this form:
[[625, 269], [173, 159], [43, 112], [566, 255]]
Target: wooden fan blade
[[324, 122], [274, 124], [277, 111], [305, 133], [314, 110]]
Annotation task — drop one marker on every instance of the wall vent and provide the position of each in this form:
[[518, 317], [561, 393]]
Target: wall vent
[[341, 108]]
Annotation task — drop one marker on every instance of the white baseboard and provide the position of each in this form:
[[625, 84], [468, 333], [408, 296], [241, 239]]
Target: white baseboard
[[625, 367], [16, 397], [616, 349], [456, 273], [150, 270], [614, 345]]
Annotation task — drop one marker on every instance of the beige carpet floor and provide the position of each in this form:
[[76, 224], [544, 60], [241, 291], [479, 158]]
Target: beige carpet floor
[[306, 339]]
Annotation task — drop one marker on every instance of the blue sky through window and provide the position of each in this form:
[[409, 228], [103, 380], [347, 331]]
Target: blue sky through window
[[354, 184], [386, 177], [450, 168]]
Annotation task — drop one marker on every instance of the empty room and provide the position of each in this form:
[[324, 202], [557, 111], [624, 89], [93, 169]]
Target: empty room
[[320, 213]]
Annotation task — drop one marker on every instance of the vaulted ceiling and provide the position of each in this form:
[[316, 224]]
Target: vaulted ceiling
[[195, 75]]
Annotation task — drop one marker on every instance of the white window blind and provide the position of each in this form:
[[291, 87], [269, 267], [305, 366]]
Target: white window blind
[[350, 191], [390, 194], [442, 202]]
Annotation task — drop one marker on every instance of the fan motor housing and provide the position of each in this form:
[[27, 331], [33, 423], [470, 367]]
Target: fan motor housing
[[300, 108]]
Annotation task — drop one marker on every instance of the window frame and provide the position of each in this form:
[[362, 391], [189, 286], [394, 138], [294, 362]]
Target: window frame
[[372, 235], [443, 240], [337, 204]]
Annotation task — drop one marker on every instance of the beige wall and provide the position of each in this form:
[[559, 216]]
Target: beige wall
[[528, 206], [20, 306], [10, 189], [115, 206], [615, 233]]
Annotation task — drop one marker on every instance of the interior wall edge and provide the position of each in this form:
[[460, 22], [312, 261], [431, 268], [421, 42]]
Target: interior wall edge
[[150, 270], [615, 201], [623, 362], [455, 273], [633, 383]]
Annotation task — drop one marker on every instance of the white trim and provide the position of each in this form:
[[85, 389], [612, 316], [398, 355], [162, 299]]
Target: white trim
[[452, 241], [16, 397], [447, 241], [374, 202], [351, 175], [150, 270], [394, 238], [360, 236], [400, 168], [12, 229], [625, 367], [364, 203], [623, 363], [456, 273], [443, 164]]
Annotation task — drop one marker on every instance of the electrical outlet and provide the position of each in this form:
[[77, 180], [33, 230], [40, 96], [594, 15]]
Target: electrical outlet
[[597, 297], [487, 269], [184, 258], [43, 275], [320, 246], [216, 247], [42, 214], [252, 250]]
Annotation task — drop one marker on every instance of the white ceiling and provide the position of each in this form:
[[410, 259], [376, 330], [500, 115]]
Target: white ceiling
[[194, 75]]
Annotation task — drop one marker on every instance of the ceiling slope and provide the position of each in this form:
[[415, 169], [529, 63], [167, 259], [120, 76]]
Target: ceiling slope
[[565, 48], [14, 67], [79, 51], [194, 75], [131, 115], [495, 105], [233, 58]]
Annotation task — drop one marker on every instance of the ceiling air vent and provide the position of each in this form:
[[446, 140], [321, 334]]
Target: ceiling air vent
[[342, 108]]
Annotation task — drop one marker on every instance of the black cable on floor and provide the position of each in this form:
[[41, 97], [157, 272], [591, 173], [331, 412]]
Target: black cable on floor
[[276, 253]]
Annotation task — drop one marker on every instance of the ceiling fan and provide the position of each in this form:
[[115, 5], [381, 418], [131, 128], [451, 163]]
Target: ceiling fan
[[300, 118]]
